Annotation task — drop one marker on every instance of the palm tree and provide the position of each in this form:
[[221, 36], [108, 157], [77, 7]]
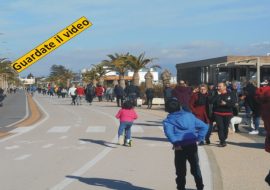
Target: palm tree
[[138, 63], [101, 72], [60, 74], [120, 64], [90, 76]]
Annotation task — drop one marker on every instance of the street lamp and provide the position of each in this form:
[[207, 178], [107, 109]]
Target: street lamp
[[258, 65]]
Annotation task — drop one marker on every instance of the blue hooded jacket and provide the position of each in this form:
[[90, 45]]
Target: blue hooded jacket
[[183, 128]]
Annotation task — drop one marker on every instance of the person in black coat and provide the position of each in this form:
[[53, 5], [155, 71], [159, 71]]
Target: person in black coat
[[119, 93], [167, 92], [132, 93], [223, 103], [149, 96]]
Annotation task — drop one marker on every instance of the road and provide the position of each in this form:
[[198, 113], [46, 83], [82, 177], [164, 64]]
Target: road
[[74, 147], [14, 109]]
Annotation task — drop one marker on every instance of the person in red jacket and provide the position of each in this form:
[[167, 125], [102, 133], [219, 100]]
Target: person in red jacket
[[80, 94], [99, 92], [263, 98], [198, 104]]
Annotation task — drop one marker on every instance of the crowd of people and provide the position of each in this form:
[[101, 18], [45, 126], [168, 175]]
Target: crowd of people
[[211, 104], [194, 112]]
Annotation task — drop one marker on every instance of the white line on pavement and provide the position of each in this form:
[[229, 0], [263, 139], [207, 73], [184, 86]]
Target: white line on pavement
[[21, 129], [96, 129], [47, 146], [136, 129], [23, 157], [59, 129], [63, 137], [12, 147]]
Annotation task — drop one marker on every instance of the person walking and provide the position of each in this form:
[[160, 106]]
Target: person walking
[[99, 92], [126, 115], [183, 94], [90, 93], [184, 130], [223, 103], [167, 92], [119, 93], [254, 107], [199, 107], [235, 94], [72, 92], [109, 94], [149, 96], [132, 92], [80, 95], [263, 97]]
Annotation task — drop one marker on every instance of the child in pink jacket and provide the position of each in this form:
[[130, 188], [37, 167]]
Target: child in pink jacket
[[126, 115]]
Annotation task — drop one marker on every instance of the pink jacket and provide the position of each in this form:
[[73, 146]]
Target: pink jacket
[[126, 115]]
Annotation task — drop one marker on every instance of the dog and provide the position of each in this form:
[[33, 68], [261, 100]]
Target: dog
[[235, 120]]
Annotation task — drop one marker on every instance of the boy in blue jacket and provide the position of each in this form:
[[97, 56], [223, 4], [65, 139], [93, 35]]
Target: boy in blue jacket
[[184, 130]]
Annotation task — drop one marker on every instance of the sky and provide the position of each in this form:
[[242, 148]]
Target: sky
[[171, 31]]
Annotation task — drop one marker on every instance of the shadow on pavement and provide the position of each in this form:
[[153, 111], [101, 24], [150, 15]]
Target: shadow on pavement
[[248, 145], [157, 122], [147, 124], [108, 183], [152, 138], [99, 142]]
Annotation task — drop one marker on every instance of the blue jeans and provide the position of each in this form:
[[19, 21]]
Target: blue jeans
[[127, 127], [256, 121]]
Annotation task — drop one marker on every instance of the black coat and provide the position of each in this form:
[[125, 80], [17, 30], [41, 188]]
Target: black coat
[[149, 93]]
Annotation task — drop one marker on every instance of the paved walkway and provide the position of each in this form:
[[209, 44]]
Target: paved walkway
[[242, 165]]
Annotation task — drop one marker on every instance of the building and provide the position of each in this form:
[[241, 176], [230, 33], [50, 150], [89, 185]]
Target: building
[[27, 81], [240, 68]]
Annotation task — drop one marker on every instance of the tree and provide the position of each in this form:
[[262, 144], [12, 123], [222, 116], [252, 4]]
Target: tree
[[101, 72], [90, 76], [7, 73], [60, 75], [120, 64], [138, 63]]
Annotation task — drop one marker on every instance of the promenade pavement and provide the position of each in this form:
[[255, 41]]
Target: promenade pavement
[[80, 160]]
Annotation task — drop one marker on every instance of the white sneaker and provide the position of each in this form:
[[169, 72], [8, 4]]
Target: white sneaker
[[254, 132]]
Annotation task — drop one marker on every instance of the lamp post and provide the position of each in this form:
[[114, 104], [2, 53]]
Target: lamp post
[[258, 66]]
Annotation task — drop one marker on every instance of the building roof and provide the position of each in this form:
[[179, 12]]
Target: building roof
[[227, 61]]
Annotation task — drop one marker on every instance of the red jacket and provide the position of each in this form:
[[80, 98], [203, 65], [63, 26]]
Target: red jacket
[[199, 111], [263, 97], [80, 91], [99, 91]]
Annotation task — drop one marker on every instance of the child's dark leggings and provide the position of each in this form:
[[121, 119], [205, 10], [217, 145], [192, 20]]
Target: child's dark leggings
[[190, 153]]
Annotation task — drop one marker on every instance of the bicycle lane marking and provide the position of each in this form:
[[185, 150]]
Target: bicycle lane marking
[[67, 181]]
